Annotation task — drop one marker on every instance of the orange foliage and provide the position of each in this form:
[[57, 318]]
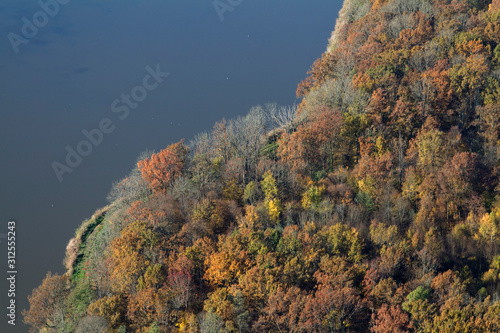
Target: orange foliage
[[163, 168], [160, 210], [390, 320], [314, 142], [46, 301], [418, 36], [495, 5], [147, 306], [131, 254], [112, 308], [322, 69]]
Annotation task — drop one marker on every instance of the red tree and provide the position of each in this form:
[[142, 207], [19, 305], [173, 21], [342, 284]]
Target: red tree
[[161, 169]]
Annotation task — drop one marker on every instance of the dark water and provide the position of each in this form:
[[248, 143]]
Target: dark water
[[66, 75]]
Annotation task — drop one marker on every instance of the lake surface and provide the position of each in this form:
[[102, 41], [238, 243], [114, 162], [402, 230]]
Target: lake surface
[[62, 77]]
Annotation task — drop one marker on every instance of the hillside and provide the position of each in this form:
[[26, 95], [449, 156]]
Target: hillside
[[373, 206]]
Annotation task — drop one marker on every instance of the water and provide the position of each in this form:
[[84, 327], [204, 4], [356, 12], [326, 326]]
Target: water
[[66, 75]]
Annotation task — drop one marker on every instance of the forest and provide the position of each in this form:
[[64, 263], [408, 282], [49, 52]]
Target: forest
[[371, 206]]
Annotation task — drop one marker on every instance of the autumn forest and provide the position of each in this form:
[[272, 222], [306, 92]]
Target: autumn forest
[[371, 206]]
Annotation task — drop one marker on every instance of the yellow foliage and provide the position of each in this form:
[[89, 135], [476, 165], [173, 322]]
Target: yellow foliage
[[377, 4], [381, 146], [218, 272], [252, 218], [110, 308], [384, 235], [274, 209], [430, 149], [129, 258], [467, 77], [312, 196], [368, 185], [491, 93], [219, 302], [188, 323], [489, 230]]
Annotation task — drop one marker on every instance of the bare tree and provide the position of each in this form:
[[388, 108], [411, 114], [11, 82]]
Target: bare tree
[[400, 23], [202, 144], [425, 57], [130, 189], [336, 93], [210, 322], [92, 324], [242, 138], [399, 7], [282, 116], [185, 192]]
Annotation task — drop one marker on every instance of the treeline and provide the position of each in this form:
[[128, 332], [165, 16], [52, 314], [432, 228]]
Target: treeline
[[374, 206]]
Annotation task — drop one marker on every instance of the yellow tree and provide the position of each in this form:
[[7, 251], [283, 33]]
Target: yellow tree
[[112, 308], [488, 232], [226, 265], [137, 247], [492, 276], [271, 200]]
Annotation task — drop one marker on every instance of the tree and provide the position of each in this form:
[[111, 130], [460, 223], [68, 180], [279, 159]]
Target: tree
[[129, 189], [161, 169], [373, 172], [252, 193], [491, 317], [492, 277], [149, 305], [467, 79], [429, 255], [92, 324], [180, 283], [460, 177], [336, 304], [210, 322], [390, 319], [488, 233], [495, 5], [383, 292], [420, 309], [283, 116], [440, 92], [111, 308], [160, 211], [489, 129], [271, 198], [214, 215], [226, 265], [448, 290], [131, 254], [383, 235], [283, 311], [340, 240], [430, 149], [47, 308], [314, 146], [321, 70]]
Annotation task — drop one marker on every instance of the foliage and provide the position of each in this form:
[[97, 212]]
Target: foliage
[[161, 169]]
